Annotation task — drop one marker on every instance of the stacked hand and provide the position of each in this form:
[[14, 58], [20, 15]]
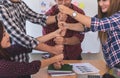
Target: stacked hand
[[62, 17], [65, 9], [59, 40], [58, 65]]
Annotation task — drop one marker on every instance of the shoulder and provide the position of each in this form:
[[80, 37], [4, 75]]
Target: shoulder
[[118, 13], [79, 10], [115, 16]]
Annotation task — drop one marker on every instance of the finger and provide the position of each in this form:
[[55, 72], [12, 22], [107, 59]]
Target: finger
[[54, 39]]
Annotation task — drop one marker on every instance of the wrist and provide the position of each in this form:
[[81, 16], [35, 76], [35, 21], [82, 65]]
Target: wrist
[[67, 25], [65, 41], [54, 50], [74, 14], [53, 34]]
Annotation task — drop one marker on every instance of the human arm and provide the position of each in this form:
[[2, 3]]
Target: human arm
[[95, 24], [57, 49], [71, 26], [25, 40], [77, 26], [17, 49], [51, 19], [49, 36], [15, 30], [80, 17], [36, 17], [75, 39], [9, 68], [67, 41], [51, 60]]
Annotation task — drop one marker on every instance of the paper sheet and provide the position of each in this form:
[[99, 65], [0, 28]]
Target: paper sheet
[[84, 68]]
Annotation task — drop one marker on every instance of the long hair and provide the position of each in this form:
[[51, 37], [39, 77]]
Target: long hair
[[3, 54], [114, 7]]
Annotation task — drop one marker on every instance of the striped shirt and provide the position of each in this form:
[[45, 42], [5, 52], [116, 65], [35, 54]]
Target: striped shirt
[[111, 48], [14, 16]]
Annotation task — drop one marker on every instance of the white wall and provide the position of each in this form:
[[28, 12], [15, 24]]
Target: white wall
[[90, 43]]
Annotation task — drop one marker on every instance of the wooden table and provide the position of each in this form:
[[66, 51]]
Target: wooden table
[[100, 64]]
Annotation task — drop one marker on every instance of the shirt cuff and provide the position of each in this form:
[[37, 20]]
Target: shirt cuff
[[93, 22], [35, 43]]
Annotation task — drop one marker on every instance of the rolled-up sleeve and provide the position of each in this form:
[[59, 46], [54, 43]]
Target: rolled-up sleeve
[[13, 28], [33, 16], [106, 24]]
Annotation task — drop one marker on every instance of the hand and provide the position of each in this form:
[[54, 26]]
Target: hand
[[63, 25], [57, 32], [62, 17], [58, 65], [57, 49], [65, 9], [59, 40], [59, 58], [63, 33]]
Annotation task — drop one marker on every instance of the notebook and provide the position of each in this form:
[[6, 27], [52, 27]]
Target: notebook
[[66, 69]]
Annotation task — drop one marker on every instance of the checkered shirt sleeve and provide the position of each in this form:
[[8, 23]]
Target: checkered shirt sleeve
[[14, 18]]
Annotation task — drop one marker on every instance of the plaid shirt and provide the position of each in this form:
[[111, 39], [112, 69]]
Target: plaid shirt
[[18, 66], [71, 52], [14, 16], [111, 48]]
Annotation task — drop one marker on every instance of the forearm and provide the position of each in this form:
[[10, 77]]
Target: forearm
[[75, 27], [44, 47], [50, 20], [47, 62], [72, 41], [85, 20], [46, 37]]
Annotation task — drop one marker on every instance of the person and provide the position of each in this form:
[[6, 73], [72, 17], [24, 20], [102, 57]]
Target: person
[[107, 22], [14, 14], [71, 40], [15, 69]]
